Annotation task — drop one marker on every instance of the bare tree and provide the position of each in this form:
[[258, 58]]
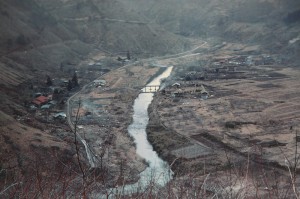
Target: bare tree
[[78, 152]]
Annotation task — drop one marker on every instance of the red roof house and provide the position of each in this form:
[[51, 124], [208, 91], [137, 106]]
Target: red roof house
[[40, 100]]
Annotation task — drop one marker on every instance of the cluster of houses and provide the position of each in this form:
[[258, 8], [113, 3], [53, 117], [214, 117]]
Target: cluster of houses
[[198, 91], [99, 83], [42, 102], [45, 103], [220, 68]]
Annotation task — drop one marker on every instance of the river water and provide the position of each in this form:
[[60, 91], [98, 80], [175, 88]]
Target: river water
[[158, 173]]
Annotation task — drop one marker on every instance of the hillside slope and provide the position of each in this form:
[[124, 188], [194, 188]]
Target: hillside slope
[[33, 41], [273, 24], [37, 37], [111, 25]]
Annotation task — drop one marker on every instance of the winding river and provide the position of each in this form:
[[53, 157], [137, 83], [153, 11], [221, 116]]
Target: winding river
[[158, 173]]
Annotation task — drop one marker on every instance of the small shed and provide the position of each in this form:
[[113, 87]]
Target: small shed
[[177, 85], [46, 106], [60, 115], [99, 82]]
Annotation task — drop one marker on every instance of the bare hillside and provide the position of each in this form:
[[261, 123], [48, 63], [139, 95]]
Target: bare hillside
[[43, 40], [39, 35], [50, 50], [273, 24], [112, 26]]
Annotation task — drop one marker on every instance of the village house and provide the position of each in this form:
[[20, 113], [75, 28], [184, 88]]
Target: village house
[[60, 116], [177, 85], [41, 100], [46, 107], [99, 82]]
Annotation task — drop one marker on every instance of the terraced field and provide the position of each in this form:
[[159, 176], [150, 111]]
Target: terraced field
[[254, 110]]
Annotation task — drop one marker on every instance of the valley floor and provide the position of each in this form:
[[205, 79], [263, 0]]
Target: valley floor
[[247, 127], [243, 134]]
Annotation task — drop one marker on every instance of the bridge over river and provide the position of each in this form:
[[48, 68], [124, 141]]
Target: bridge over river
[[150, 89]]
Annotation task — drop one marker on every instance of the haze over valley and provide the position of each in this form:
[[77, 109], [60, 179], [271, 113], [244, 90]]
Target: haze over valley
[[223, 119]]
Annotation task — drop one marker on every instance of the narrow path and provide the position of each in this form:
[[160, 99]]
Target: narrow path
[[89, 153]]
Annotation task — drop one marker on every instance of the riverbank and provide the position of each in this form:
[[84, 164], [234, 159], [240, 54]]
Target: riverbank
[[243, 129], [105, 114], [194, 135]]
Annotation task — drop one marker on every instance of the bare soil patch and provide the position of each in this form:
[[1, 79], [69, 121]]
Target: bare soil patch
[[105, 115], [251, 113]]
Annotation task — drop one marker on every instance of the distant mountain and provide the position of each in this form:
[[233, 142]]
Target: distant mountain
[[39, 35], [273, 24]]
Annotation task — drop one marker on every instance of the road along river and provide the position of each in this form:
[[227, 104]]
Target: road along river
[[158, 173]]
